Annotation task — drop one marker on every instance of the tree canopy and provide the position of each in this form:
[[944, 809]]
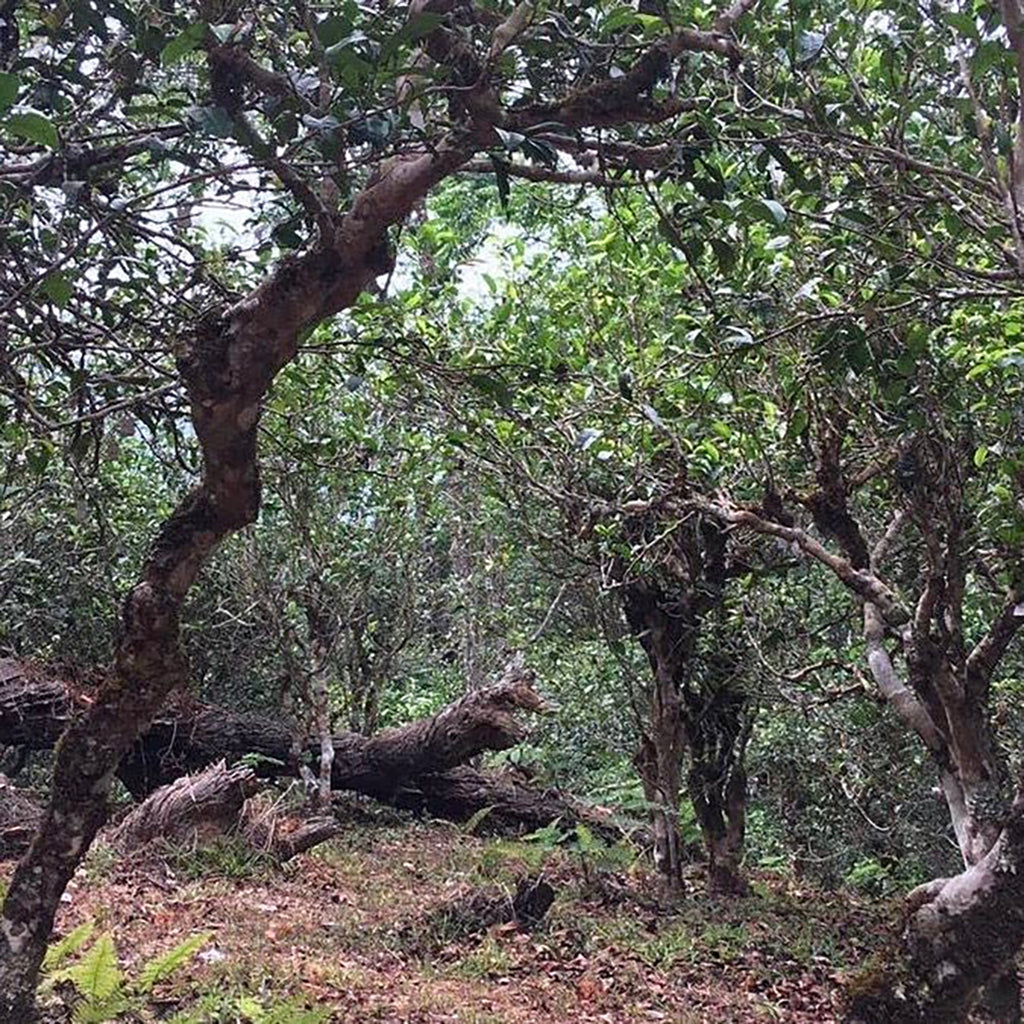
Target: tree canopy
[[352, 348]]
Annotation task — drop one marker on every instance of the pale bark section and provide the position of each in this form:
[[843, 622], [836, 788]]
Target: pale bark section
[[322, 718], [192, 807], [961, 932], [216, 801], [907, 707]]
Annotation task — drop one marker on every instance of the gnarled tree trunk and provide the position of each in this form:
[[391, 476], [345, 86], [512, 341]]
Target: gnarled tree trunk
[[417, 767], [665, 630], [227, 366], [718, 724], [961, 932]]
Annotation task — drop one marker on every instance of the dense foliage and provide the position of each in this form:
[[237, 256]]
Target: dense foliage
[[691, 367]]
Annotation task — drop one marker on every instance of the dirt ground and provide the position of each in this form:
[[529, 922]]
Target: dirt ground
[[352, 932]]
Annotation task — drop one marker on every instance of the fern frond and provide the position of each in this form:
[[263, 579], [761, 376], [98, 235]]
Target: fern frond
[[164, 965], [96, 976], [470, 826], [70, 944], [100, 1011]]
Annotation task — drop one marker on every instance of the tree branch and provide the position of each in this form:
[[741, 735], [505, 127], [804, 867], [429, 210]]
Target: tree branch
[[983, 660], [862, 582]]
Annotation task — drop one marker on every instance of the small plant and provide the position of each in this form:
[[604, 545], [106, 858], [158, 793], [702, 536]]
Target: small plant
[[507, 859], [488, 960], [100, 862], [233, 1006], [104, 992], [870, 876], [225, 856]]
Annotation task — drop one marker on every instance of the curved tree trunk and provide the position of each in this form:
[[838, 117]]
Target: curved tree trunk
[[961, 933], [227, 367]]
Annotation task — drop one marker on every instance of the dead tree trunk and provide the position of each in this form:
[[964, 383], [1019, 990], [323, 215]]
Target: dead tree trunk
[[194, 805], [218, 800], [414, 767]]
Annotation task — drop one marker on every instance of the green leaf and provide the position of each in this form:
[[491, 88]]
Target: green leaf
[[493, 387], [57, 288], [808, 48], [418, 26], [182, 45], [164, 965], [540, 152], [36, 127], [96, 975], [980, 456], [797, 423], [471, 825], [9, 85], [69, 945], [709, 188], [774, 210], [858, 355], [332, 29], [100, 1011]]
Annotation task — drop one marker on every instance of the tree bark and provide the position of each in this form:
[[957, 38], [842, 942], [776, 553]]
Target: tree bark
[[961, 932], [718, 724], [720, 807], [217, 801], [227, 364], [19, 819], [194, 805], [695, 702], [413, 767]]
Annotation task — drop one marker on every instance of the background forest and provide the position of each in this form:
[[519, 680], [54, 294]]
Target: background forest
[[674, 351]]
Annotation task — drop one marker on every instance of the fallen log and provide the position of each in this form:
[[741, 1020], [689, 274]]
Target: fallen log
[[218, 800], [194, 806], [502, 804], [35, 708], [417, 766], [19, 819]]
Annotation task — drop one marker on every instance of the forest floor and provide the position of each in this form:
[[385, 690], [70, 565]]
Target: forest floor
[[351, 931]]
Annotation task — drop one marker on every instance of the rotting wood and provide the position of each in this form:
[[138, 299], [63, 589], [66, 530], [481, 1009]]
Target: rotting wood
[[219, 800], [415, 767]]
